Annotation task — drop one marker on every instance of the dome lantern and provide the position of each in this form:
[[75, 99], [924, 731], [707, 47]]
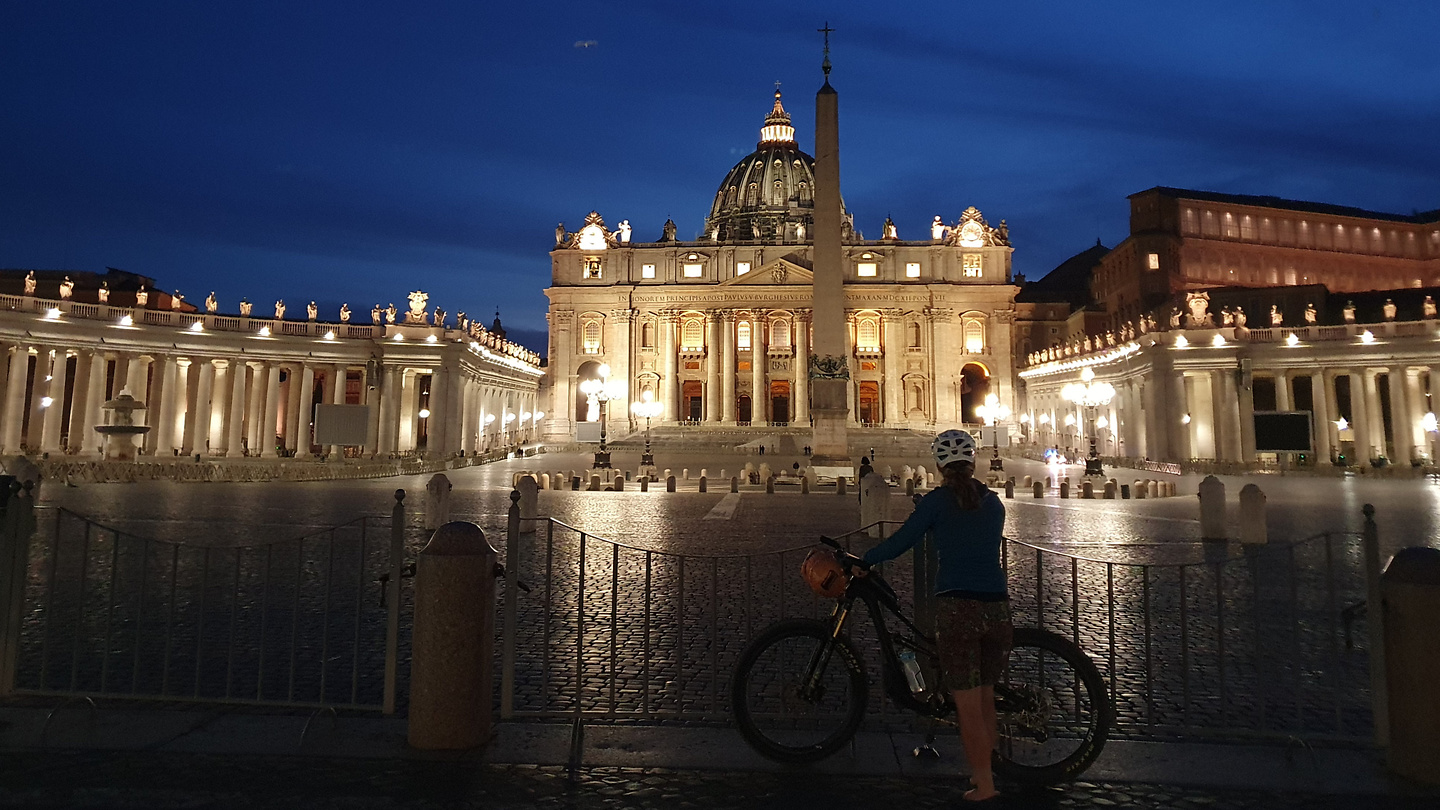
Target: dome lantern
[[777, 127]]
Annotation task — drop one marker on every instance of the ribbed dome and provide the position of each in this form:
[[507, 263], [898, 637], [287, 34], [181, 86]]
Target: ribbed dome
[[770, 191]]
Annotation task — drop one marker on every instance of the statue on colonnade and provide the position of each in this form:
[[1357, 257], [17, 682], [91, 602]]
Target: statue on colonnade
[[67, 288], [246, 307], [211, 305], [30, 283], [345, 313], [280, 309]]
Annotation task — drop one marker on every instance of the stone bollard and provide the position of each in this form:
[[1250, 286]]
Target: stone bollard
[[1064, 489], [1049, 482], [685, 473], [722, 475], [874, 503], [1212, 508], [840, 485], [670, 484], [1026, 482], [1087, 491], [1152, 488], [804, 485], [667, 472], [1410, 600], [619, 483], [704, 473], [574, 483], [1139, 489], [702, 482], [1125, 492], [451, 660], [594, 484], [765, 472], [770, 485], [907, 473], [1110, 490], [1252, 515], [909, 487], [529, 502], [1039, 489], [644, 483], [437, 501], [1169, 489], [734, 483], [1010, 488], [544, 481]]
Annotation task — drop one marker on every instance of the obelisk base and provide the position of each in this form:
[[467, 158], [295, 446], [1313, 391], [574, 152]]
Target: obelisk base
[[830, 446]]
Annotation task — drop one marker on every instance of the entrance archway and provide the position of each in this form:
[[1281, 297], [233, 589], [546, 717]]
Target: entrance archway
[[743, 409], [692, 401], [589, 370], [974, 385], [780, 402], [867, 402]]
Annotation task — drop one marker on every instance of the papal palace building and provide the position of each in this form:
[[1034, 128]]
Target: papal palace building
[[236, 385], [717, 328], [1217, 306]]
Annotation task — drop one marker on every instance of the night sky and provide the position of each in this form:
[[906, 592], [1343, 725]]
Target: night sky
[[354, 151]]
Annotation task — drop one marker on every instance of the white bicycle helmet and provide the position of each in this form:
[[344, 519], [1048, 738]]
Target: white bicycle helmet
[[952, 446]]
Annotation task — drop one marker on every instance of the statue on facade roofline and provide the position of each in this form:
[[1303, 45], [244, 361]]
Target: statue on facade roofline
[[461, 322], [623, 232], [375, 314], [937, 229], [1427, 307], [888, 231], [1310, 314], [1002, 234], [141, 296], [311, 311], [1276, 316], [439, 317], [1349, 312], [418, 300], [1227, 318], [560, 234], [104, 292], [1175, 318], [345, 313], [667, 234], [30, 283], [390, 313], [176, 299], [1389, 310], [280, 309], [245, 307], [67, 288]]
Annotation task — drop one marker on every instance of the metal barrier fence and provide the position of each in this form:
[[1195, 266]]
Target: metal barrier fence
[[303, 622], [1262, 644]]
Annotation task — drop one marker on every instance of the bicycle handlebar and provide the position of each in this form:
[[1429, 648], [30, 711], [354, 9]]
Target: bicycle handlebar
[[846, 558]]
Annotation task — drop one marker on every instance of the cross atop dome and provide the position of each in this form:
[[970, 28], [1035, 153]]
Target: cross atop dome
[[777, 127]]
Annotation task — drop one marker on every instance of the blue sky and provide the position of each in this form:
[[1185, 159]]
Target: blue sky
[[354, 151]]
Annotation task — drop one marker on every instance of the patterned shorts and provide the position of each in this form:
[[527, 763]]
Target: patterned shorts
[[974, 639]]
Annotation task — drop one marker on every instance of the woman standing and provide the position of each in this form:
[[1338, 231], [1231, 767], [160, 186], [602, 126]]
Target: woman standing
[[972, 613]]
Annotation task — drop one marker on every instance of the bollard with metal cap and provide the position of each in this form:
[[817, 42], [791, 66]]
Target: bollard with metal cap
[[1410, 602], [437, 501], [1212, 508], [451, 681], [529, 502]]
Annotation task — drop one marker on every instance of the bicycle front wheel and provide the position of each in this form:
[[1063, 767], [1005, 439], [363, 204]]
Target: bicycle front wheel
[[798, 694], [1053, 709]]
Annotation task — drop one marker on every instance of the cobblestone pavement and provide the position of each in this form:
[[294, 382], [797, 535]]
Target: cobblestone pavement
[[151, 780]]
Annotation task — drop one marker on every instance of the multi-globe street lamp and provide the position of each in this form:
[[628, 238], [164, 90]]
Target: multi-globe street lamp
[[993, 412], [647, 408], [599, 391], [1091, 396]]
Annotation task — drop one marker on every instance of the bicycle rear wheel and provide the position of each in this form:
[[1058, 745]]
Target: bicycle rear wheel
[[1054, 710], [798, 695]]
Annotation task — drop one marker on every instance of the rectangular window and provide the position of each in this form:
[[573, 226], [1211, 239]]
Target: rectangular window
[[865, 269], [912, 270], [592, 267], [694, 270], [647, 271], [741, 268], [970, 264], [1153, 261], [867, 365]]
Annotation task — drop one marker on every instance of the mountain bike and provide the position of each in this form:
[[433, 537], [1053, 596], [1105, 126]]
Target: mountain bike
[[801, 688]]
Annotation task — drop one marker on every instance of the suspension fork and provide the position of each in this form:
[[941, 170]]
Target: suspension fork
[[820, 660]]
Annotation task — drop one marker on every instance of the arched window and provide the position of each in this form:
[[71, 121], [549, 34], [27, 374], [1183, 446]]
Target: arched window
[[780, 334], [647, 335], [753, 197], [913, 331], [590, 336], [742, 334], [691, 336], [804, 192], [867, 334], [730, 198], [779, 198], [974, 337]]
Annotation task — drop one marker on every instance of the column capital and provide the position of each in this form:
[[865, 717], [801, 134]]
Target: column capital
[[890, 313], [935, 314], [562, 317], [727, 315], [626, 315]]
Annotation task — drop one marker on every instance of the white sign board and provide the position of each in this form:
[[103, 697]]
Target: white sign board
[[988, 436]]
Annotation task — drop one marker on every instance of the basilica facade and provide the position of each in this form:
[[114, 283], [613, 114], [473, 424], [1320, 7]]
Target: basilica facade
[[717, 330]]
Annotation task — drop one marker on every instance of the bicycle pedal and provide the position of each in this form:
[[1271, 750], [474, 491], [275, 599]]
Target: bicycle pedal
[[926, 751]]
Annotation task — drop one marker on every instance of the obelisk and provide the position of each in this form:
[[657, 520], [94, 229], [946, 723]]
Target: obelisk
[[829, 365]]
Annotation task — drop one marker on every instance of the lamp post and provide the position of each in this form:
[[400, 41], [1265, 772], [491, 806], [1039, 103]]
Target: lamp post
[[1091, 396], [994, 413], [600, 391], [647, 408], [1431, 426]]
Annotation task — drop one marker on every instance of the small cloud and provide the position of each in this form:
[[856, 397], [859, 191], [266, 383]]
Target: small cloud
[[587, 43]]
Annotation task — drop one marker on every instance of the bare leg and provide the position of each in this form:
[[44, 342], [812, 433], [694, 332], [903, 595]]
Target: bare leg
[[978, 739], [987, 705]]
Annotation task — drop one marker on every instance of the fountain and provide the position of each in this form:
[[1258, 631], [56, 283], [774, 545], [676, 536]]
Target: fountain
[[121, 430]]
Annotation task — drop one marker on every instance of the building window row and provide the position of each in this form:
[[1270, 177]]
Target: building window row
[[1303, 233]]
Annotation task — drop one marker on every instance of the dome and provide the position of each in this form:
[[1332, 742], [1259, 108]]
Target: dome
[[770, 194]]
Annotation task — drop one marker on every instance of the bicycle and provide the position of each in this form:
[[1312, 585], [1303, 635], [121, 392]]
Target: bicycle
[[794, 704]]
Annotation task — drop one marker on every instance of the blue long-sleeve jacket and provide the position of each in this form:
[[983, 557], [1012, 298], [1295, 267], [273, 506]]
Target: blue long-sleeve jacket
[[967, 542]]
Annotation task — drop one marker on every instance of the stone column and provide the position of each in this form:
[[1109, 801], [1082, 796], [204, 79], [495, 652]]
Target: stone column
[[1400, 417], [306, 408], [137, 377], [405, 412], [1415, 404], [759, 364], [1374, 412], [255, 410], [1244, 414], [185, 381], [389, 415], [80, 402], [265, 435], [467, 416], [15, 385], [1181, 447], [437, 439], [337, 396], [1320, 416], [618, 351], [713, 327], [944, 369], [727, 365], [235, 422], [1283, 400], [162, 407], [1361, 418], [562, 373], [90, 440], [219, 407], [669, 368], [370, 395], [894, 363], [1150, 409], [198, 418], [801, 375], [291, 404], [55, 389]]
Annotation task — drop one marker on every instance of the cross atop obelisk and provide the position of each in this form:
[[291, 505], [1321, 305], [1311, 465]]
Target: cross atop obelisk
[[829, 365]]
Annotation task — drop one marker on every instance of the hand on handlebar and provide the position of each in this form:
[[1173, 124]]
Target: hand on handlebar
[[853, 564]]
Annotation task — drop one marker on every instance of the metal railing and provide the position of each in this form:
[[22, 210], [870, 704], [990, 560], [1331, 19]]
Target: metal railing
[[303, 622]]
